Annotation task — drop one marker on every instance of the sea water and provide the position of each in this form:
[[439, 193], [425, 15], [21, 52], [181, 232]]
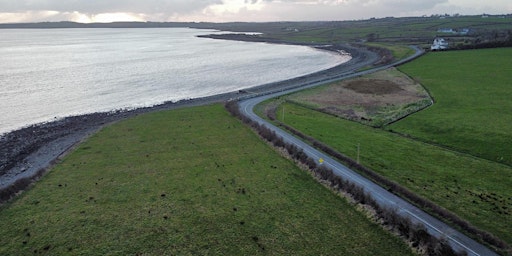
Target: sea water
[[48, 74]]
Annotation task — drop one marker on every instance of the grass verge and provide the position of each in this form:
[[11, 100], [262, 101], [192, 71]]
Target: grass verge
[[184, 182]]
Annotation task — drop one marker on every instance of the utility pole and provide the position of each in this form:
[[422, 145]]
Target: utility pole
[[283, 114], [358, 146]]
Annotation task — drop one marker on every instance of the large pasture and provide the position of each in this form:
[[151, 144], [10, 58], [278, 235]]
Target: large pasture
[[472, 111], [193, 181]]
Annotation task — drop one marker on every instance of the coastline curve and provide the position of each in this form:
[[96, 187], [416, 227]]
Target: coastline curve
[[28, 153]]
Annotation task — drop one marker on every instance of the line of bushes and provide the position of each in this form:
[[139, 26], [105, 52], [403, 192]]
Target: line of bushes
[[485, 45], [399, 190], [416, 234], [386, 56]]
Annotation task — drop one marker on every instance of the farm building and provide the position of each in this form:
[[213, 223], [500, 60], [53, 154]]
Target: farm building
[[439, 44]]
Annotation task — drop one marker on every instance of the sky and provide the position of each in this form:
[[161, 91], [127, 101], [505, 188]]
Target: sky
[[86, 11]]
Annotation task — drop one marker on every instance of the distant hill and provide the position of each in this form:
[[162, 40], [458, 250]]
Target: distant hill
[[70, 24]]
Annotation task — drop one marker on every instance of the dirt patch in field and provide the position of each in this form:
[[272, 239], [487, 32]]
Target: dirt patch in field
[[367, 93], [373, 86], [375, 99]]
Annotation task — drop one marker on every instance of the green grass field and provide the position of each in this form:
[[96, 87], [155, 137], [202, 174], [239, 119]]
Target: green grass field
[[472, 110], [475, 189], [189, 181], [471, 115]]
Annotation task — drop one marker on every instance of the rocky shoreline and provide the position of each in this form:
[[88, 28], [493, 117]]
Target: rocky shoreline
[[27, 153]]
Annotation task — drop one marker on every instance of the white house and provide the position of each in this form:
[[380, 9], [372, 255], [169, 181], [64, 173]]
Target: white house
[[464, 31], [439, 44], [446, 30]]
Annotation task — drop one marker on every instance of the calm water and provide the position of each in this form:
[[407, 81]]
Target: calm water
[[48, 74]]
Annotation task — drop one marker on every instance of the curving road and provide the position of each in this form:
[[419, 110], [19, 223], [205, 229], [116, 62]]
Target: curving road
[[457, 240]]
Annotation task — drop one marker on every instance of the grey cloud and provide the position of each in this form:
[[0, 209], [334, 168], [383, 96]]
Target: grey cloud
[[346, 9], [400, 4], [273, 10], [101, 6], [411, 5], [329, 8]]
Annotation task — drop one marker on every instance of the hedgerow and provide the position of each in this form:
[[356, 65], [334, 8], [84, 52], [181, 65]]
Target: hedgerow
[[414, 233]]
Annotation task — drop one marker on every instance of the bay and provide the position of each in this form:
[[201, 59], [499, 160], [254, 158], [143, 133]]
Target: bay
[[55, 73]]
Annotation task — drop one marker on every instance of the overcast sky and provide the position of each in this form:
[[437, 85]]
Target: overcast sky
[[236, 10]]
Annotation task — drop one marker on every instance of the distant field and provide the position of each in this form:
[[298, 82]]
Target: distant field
[[472, 110], [189, 181], [413, 30]]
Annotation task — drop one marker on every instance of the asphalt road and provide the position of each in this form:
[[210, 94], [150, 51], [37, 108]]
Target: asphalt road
[[435, 227]]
